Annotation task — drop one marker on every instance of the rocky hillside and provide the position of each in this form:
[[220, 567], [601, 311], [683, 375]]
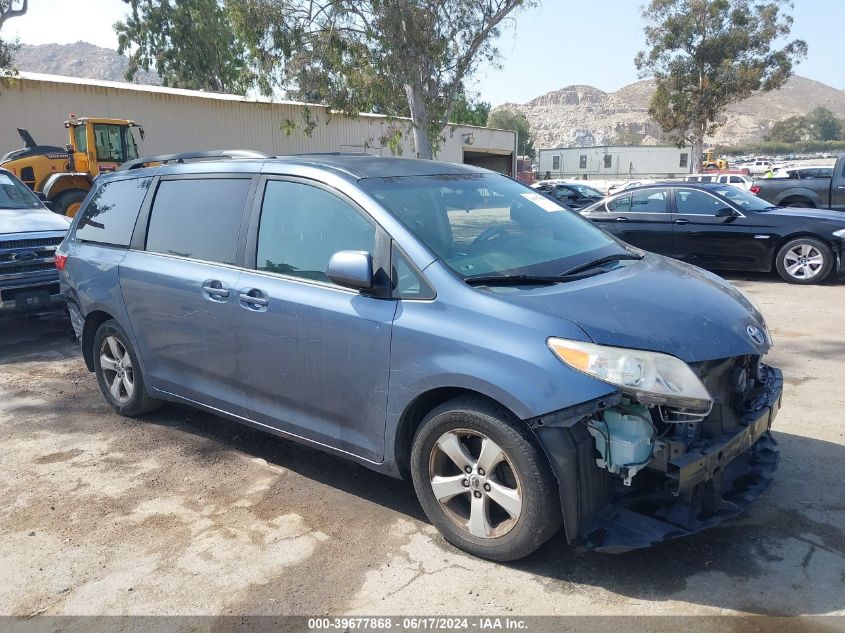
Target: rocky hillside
[[78, 60], [584, 115]]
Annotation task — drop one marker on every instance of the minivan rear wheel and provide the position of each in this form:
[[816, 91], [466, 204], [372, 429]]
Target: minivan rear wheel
[[483, 481], [119, 373]]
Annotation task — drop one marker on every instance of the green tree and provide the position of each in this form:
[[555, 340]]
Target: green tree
[[189, 43], [403, 57], [707, 54], [507, 119], [824, 125], [9, 9], [467, 111], [789, 130]]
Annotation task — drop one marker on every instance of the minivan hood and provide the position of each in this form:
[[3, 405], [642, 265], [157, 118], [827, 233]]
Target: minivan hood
[[31, 220], [656, 304]]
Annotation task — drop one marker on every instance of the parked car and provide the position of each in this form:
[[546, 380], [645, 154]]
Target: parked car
[[818, 192], [724, 228], [29, 236], [737, 180], [759, 166], [441, 322], [628, 184], [571, 194]]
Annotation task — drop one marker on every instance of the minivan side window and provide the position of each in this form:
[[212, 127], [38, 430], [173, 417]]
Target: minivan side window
[[302, 226], [198, 218], [110, 215]]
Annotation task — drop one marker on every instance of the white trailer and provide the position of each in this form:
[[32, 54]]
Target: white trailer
[[615, 162]]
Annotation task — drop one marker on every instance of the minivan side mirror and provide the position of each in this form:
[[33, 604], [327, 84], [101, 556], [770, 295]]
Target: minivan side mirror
[[725, 212], [351, 269]]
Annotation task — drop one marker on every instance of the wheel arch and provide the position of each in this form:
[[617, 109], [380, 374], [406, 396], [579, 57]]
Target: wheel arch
[[93, 320], [785, 201], [415, 412]]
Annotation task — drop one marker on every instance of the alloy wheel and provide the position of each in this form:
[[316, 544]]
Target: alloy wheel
[[475, 483], [117, 369], [803, 261]]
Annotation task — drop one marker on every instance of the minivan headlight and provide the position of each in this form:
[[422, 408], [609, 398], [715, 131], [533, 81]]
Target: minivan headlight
[[652, 378]]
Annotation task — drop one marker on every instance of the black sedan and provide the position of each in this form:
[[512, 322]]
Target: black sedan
[[572, 195], [722, 227]]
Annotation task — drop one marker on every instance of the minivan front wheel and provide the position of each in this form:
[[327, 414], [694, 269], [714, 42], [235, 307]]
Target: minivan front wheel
[[119, 373], [483, 481], [804, 260]]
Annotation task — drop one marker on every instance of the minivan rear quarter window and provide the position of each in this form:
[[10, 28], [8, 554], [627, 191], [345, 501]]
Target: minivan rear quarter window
[[198, 218], [110, 215]]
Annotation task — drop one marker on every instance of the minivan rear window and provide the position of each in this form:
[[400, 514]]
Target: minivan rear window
[[110, 215], [198, 218]]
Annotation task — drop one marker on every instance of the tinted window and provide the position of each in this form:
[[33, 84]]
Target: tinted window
[[198, 218], [582, 161], [555, 162], [695, 202], [80, 137], [649, 201], [303, 226], [736, 179], [684, 160], [622, 204], [608, 161], [112, 210]]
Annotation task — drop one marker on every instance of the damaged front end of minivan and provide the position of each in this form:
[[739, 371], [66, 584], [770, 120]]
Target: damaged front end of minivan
[[680, 447]]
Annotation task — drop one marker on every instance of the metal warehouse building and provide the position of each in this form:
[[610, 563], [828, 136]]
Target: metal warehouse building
[[180, 120], [614, 161]]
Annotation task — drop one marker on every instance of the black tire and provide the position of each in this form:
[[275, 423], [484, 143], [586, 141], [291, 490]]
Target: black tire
[[67, 199], [786, 260], [539, 515], [136, 403]]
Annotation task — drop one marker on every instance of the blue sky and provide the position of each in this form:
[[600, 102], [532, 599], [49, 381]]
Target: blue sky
[[559, 43]]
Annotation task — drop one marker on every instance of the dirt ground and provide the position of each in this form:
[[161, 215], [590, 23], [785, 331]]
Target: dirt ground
[[185, 513]]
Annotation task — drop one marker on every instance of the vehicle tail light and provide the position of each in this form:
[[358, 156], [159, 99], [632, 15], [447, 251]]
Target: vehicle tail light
[[755, 189], [61, 260]]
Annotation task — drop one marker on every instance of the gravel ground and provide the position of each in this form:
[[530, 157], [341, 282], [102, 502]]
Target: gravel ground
[[185, 513]]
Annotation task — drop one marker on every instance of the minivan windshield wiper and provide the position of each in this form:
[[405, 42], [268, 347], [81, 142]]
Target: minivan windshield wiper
[[599, 262], [580, 271], [507, 280]]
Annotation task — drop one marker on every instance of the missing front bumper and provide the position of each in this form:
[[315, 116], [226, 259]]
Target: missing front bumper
[[705, 487]]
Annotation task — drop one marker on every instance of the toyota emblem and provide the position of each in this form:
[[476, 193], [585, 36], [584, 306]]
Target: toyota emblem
[[756, 335]]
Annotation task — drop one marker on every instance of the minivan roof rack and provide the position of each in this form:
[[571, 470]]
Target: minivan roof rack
[[185, 156]]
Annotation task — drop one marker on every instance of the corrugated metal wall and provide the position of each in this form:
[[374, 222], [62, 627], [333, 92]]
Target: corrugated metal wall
[[181, 120]]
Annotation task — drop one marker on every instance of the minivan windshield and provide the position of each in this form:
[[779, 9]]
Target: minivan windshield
[[487, 224], [16, 195]]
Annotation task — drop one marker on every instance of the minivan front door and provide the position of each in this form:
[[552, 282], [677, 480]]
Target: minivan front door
[[181, 291], [314, 356]]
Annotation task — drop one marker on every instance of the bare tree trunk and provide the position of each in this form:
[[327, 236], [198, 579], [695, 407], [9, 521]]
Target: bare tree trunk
[[697, 151], [420, 119]]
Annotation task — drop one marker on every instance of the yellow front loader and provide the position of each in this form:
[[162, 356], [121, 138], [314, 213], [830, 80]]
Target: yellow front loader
[[64, 175]]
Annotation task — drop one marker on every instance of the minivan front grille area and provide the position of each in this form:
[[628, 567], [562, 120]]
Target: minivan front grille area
[[734, 384]]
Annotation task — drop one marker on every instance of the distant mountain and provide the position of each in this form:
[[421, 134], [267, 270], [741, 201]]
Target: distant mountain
[[583, 115], [79, 60]]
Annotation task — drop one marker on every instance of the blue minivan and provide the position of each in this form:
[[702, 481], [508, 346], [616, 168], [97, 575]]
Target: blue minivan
[[527, 370]]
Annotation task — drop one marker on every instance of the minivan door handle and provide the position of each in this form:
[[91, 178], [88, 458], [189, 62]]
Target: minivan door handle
[[253, 299], [214, 290], [681, 221]]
